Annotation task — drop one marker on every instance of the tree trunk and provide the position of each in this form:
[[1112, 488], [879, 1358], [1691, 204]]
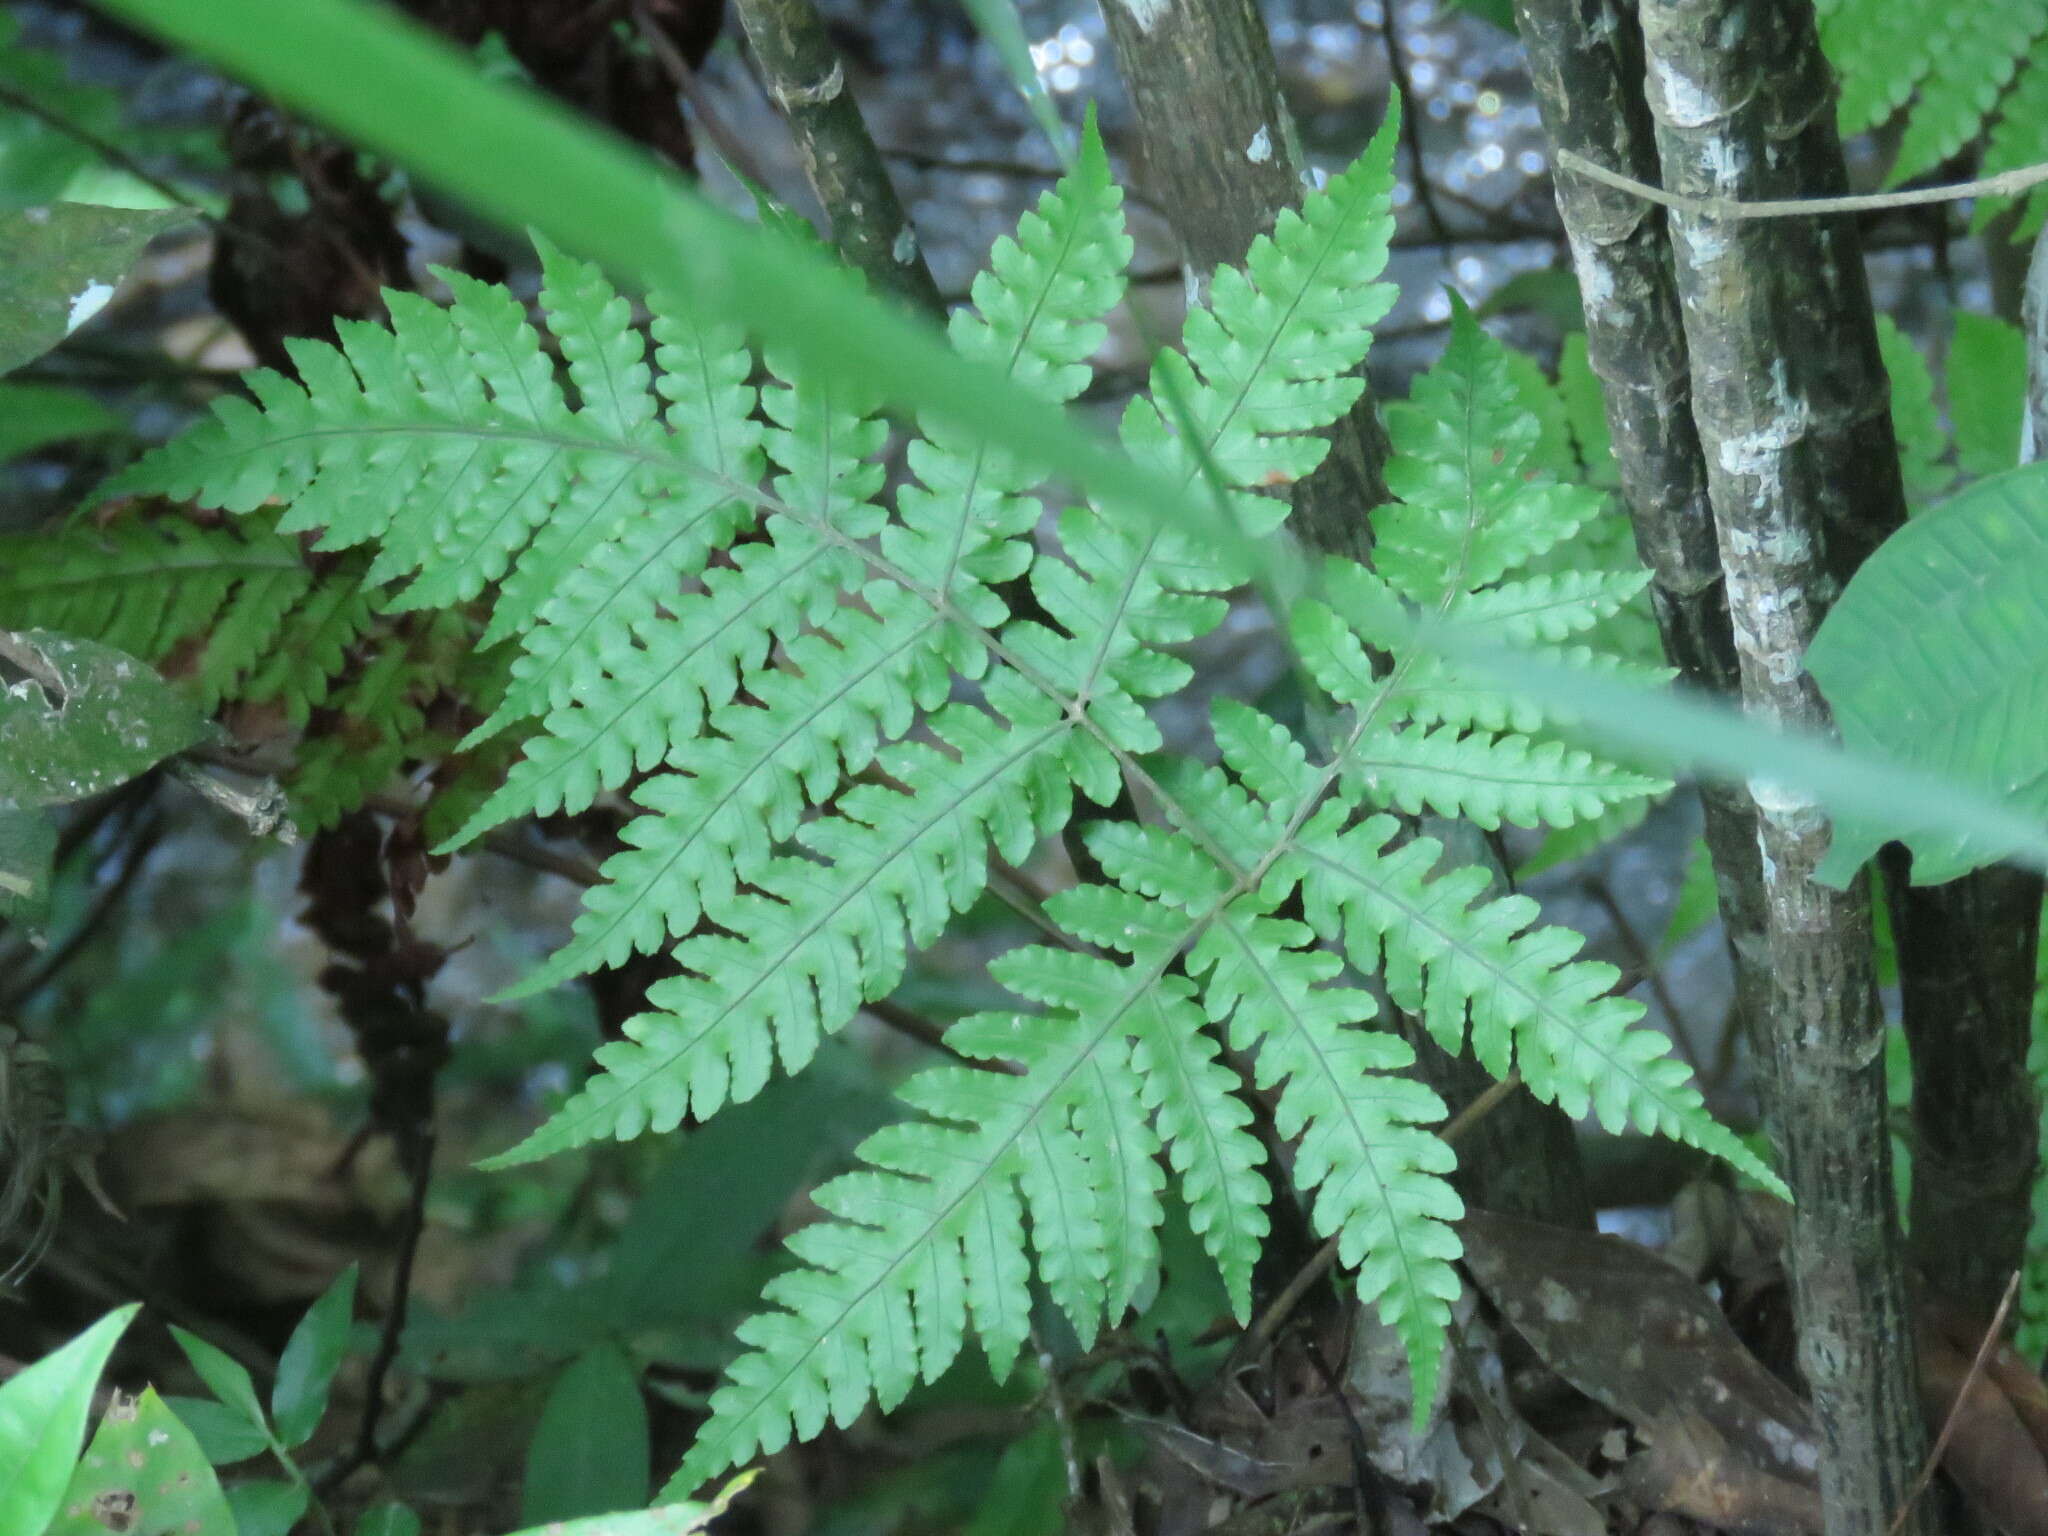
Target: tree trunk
[[806, 78], [1966, 985], [1791, 403], [1586, 64], [1219, 151]]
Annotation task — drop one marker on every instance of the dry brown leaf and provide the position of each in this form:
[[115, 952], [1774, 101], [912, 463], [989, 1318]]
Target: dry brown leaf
[[1727, 1441], [1996, 1451]]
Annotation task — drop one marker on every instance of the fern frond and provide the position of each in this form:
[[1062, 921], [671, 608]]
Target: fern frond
[[241, 594], [930, 1233], [841, 722], [1972, 65], [1447, 952], [1880, 51], [830, 928]]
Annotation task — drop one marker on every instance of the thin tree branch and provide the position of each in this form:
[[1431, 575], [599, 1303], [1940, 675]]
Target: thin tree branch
[[807, 79], [1411, 118], [113, 154], [731, 148]]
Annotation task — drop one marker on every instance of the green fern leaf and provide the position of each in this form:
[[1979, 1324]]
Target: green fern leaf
[[1972, 65], [1446, 951], [1881, 51], [822, 938]]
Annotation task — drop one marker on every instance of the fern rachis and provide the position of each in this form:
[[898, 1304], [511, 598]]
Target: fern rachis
[[842, 719]]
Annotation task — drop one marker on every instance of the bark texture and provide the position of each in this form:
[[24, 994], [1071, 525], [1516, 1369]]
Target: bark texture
[[1586, 63], [806, 77], [1966, 985], [1219, 153], [1791, 403]]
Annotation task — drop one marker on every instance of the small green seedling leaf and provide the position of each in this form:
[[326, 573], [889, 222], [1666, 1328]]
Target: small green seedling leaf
[[42, 1422], [590, 1450], [59, 265], [306, 1370], [268, 1507], [143, 1475], [83, 718], [227, 1378], [223, 1434]]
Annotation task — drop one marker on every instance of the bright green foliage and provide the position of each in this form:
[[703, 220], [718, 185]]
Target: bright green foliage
[[1987, 392], [1957, 71], [1948, 68], [848, 710], [1916, 418], [236, 602], [1932, 656], [1985, 384], [240, 615]]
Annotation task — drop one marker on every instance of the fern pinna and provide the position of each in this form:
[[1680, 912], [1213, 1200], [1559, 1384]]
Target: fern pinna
[[1953, 73], [841, 719]]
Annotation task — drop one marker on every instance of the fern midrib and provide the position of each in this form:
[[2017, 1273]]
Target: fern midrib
[[879, 865], [534, 684], [1595, 774], [1191, 1096], [1205, 450], [1339, 1090], [1504, 978], [1125, 1224], [762, 762]]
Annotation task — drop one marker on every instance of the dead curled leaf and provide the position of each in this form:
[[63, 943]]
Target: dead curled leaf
[[1997, 1451], [1725, 1441]]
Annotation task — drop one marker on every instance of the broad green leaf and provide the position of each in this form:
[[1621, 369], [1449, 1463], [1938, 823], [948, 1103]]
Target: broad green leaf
[[719, 1191], [83, 719], [59, 264], [38, 160], [267, 1507], [223, 1434], [34, 414], [306, 1369], [28, 843], [1682, 732], [43, 1410], [143, 1475], [1698, 901], [590, 1450], [1552, 292], [226, 1376], [1933, 656]]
